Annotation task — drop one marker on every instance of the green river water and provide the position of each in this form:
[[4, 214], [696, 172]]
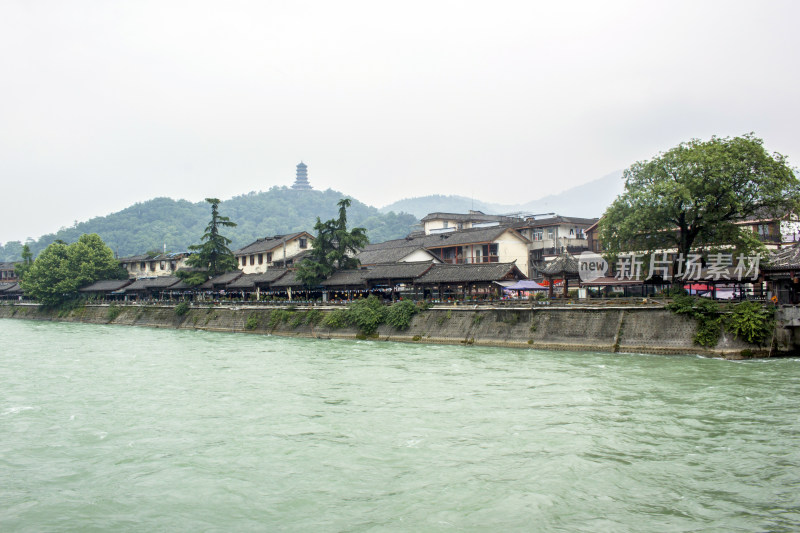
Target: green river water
[[109, 428]]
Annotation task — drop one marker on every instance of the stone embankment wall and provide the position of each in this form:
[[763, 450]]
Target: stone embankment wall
[[633, 330]]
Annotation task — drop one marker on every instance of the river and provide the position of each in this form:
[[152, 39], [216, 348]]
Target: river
[[111, 428]]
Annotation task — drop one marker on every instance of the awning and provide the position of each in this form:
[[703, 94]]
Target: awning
[[526, 285]]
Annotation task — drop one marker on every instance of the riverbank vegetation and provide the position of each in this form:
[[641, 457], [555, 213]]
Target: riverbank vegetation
[[749, 321]]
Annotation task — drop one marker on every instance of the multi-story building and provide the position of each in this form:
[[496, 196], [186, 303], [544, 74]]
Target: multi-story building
[[283, 250], [8, 272], [153, 264]]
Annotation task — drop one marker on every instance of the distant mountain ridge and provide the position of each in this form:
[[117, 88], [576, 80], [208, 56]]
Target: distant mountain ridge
[[589, 200], [176, 224]]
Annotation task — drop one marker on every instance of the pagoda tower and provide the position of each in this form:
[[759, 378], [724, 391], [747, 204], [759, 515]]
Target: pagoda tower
[[301, 181]]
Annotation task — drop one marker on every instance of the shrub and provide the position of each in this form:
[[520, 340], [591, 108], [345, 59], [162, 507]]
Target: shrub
[[113, 312], [477, 318], [278, 316], [181, 309], [707, 314], [367, 314], [336, 319], [399, 314], [297, 319], [252, 322], [751, 322], [313, 317]]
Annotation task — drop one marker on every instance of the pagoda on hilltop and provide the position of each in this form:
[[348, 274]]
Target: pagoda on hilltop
[[301, 181]]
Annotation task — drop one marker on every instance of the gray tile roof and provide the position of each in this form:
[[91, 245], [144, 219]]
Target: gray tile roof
[[398, 271], [443, 240], [270, 243], [152, 257], [469, 236], [561, 264], [222, 280], [558, 219], [147, 284], [480, 272], [346, 278], [787, 258], [287, 280], [10, 288], [108, 285], [245, 281], [475, 216], [387, 255]]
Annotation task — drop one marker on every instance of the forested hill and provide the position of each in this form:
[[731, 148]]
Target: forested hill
[[150, 225]]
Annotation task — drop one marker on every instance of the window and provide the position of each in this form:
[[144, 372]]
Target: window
[[172, 265], [142, 266], [538, 234], [252, 260], [490, 253], [153, 266], [269, 257], [162, 265], [303, 243], [260, 259], [244, 260], [551, 233]]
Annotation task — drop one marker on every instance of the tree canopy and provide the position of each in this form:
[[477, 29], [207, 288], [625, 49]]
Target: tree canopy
[[333, 249], [213, 257], [692, 196], [177, 223], [61, 269]]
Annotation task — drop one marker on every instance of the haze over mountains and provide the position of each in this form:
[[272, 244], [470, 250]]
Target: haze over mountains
[[587, 201], [177, 224]]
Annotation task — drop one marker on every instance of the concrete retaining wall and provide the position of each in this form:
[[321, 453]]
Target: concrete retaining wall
[[642, 330]]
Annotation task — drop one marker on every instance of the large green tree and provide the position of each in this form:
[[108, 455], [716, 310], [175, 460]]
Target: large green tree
[[61, 269], [692, 196], [27, 261], [333, 249], [213, 256]]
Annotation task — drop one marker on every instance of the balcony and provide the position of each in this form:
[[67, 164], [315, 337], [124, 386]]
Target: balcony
[[471, 260]]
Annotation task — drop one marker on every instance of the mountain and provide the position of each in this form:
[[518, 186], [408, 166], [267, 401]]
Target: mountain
[[177, 224], [422, 205], [587, 201]]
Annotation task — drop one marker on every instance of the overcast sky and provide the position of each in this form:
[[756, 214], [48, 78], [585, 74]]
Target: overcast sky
[[103, 104]]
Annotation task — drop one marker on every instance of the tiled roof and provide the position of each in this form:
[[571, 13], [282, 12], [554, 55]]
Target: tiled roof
[[387, 255], [292, 259], [8, 287], [245, 281], [468, 236], [14, 288], [107, 285], [182, 286], [152, 257], [558, 219], [561, 264], [287, 280], [269, 243], [480, 272], [222, 279], [787, 258], [476, 216], [7, 265], [441, 240], [398, 271], [146, 284], [345, 278]]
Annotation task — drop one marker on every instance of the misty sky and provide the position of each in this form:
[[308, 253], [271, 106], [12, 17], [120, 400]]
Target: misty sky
[[103, 104]]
